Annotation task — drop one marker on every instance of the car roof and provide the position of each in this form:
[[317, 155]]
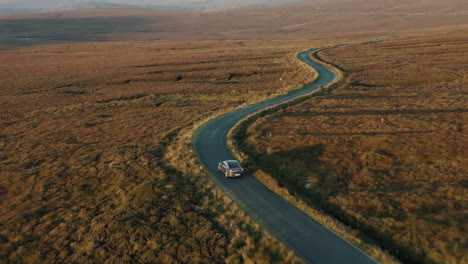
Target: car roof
[[233, 162]]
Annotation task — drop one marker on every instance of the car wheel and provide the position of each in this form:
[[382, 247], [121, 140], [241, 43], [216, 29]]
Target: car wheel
[[226, 174]]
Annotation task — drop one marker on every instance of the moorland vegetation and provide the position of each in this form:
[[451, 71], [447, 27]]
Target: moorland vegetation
[[85, 138], [384, 151], [316, 20], [95, 156]]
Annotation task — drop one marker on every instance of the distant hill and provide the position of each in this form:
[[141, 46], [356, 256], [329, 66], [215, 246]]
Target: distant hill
[[12, 11], [32, 6], [346, 19]]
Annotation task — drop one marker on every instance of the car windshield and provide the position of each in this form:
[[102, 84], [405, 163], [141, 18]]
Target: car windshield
[[234, 164]]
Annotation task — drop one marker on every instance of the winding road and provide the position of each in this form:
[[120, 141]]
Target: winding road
[[308, 238]]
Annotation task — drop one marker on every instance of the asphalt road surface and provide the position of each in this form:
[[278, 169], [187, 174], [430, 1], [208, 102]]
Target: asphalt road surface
[[308, 238]]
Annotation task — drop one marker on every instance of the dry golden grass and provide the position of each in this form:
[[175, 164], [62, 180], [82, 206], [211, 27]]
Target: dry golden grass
[[90, 133], [86, 135], [385, 152]]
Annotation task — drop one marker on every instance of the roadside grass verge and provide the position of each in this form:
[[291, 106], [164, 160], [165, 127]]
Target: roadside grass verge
[[383, 152], [253, 162], [86, 136]]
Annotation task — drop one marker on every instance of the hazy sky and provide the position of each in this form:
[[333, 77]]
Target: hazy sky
[[138, 2], [55, 5], [144, 2]]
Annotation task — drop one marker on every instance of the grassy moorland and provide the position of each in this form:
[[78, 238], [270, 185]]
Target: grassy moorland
[[316, 20], [385, 151], [87, 138], [95, 159]]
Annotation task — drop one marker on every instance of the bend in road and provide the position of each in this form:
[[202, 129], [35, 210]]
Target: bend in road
[[308, 238]]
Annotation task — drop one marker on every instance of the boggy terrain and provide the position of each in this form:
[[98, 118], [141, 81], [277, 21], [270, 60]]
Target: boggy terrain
[[385, 151], [86, 134]]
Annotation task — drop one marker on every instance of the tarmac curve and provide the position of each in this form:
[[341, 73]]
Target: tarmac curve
[[308, 238]]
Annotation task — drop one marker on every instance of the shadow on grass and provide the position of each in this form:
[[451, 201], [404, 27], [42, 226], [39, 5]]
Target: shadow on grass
[[25, 32], [369, 133], [353, 96], [380, 112], [295, 168]]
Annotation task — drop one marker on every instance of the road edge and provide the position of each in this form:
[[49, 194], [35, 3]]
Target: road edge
[[341, 230]]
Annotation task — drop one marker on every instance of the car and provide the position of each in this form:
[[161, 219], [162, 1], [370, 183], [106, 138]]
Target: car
[[231, 168]]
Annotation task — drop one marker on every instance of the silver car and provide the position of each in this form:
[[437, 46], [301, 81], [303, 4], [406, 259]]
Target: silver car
[[231, 168]]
